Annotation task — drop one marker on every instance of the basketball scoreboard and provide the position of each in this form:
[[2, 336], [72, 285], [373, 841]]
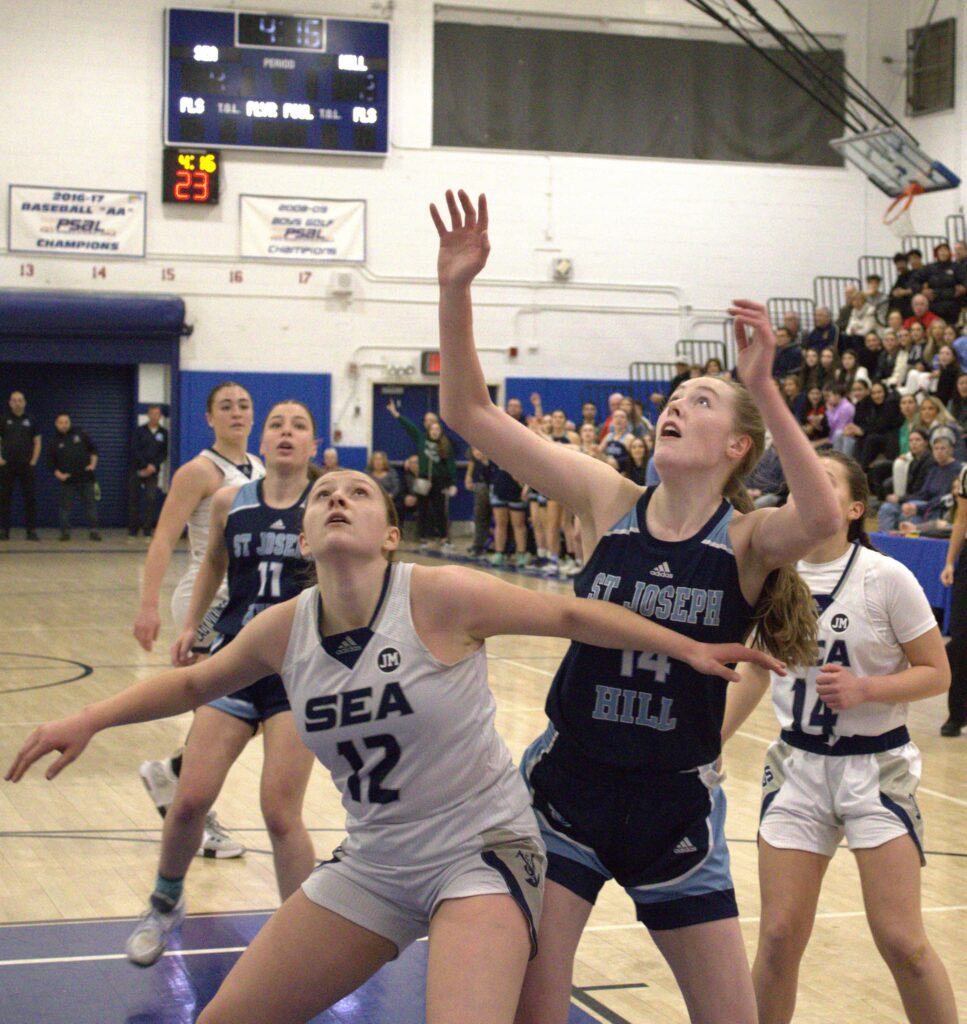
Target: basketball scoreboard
[[287, 82]]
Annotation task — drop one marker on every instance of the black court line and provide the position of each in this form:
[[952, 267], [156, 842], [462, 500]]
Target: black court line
[[581, 997], [109, 920], [85, 670], [605, 988]]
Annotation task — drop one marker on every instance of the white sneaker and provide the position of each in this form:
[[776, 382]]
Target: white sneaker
[[448, 548], [160, 781], [150, 939], [551, 569], [573, 568], [217, 842]]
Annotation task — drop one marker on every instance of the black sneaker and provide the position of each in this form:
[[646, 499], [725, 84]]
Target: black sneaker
[[951, 728], [133, 533], [146, 533], [94, 535], [32, 535], [64, 535]]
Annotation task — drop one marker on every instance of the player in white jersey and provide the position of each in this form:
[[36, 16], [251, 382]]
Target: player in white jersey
[[385, 669], [845, 765], [229, 412]]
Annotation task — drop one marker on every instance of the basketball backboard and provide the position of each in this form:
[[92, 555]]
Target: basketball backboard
[[893, 161]]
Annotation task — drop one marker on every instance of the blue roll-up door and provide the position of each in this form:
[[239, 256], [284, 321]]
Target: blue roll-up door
[[99, 400]]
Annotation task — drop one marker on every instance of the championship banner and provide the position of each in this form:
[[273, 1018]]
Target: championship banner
[[310, 230], [72, 221]]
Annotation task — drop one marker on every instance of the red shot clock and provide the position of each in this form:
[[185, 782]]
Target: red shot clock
[[190, 177]]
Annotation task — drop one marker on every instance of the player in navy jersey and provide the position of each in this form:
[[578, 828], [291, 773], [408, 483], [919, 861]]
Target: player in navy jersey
[[226, 462], [386, 669], [845, 764], [254, 537], [624, 779]]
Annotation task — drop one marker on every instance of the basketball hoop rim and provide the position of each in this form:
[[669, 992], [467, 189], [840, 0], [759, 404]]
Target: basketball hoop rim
[[903, 202]]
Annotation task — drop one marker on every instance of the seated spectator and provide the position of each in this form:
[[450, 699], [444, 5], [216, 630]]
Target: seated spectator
[[886, 363], [957, 406], [921, 314], [869, 354], [960, 252], [924, 503], [910, 470], [839, 414], [589, 414], [766, 484], [875, 294], [788, 356], [638, 417], [862, 320], [944, 377], [636, 465], [790, 321], [933, 415], [383, 473], [960, 347], [713, 368], [793, 394], [850, 370], [935, 338], [637, 424], [330, 460], [829, 366], [810, 373], [879, 470], [944, 284], [876, 424], [825, 334], [813, 418], [904, 287]]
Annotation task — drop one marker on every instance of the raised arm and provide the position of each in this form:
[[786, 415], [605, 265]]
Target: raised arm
[[465, 404], [781, 536], [210, 575], [258, 651], [475, 606]]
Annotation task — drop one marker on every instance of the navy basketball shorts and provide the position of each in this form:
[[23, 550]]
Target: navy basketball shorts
[[661, 836], [255, 703], [503, 497]]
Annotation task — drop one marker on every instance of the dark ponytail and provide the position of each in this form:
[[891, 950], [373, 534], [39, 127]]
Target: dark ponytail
[[859, 490]]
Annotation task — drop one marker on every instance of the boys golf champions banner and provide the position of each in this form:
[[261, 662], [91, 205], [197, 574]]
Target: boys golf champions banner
[[311, 230]]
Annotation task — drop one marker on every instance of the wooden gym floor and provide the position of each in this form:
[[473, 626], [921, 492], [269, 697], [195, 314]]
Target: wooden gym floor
[[79, 853]]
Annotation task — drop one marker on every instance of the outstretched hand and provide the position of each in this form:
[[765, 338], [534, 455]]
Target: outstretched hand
[[464, 247], [69, 736], [714, 660], [758, 353]]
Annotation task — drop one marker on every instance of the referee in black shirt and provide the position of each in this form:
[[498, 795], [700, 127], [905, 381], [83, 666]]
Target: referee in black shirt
[[19, 452], [149, 449]]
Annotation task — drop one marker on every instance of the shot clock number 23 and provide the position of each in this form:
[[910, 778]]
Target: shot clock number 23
[[190, 177]]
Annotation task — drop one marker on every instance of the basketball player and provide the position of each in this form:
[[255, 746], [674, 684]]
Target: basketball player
[[386, 670], [229, 412], [624, 778], [254, 535], [845, 763], [509, 507]]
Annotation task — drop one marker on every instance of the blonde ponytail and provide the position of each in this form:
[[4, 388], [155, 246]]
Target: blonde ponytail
[[783, 621]]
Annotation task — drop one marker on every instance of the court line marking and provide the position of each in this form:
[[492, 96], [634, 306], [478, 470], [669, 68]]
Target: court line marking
[[34, 961], [827, 916]]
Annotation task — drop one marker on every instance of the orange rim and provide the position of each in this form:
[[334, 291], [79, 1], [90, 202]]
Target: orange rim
[[902, 203]]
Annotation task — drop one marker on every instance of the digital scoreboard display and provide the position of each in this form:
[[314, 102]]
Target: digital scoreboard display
[[189, 177], [237, 80]]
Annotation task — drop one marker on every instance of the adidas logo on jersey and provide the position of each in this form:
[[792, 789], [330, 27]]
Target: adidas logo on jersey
[[664, 571], [685, 846], [277, 525], [348, 646]]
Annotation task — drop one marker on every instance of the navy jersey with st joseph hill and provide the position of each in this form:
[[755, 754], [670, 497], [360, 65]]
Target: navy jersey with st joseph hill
[[265, 566], [633, 710]]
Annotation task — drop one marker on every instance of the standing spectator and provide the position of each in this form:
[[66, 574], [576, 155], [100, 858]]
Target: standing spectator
[[72, 458], [438, 471], [411, 500], [955, 574], [825, 334], [515, 409], [946, 374], [149, 449], [383, 473], [846, 310], [615, 443], [862, 320], [682, 372], [960, 252], [589, 414], [788, 356], [874, 292], [330, 460], [944, 284], [880, 436], [19, 452], [790, 321], [921, 313], [477, 481], [906, 285]]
